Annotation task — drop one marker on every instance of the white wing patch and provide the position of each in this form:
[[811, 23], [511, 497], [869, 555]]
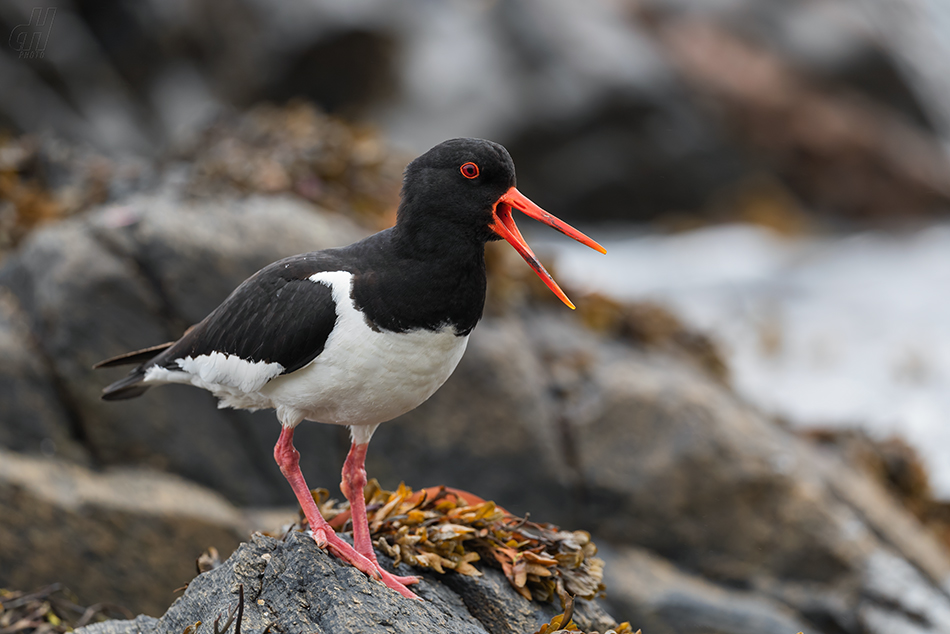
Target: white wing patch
[[231, 370], [217, 372]]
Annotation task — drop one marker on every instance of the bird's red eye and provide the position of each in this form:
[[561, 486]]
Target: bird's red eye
[[469, 170]]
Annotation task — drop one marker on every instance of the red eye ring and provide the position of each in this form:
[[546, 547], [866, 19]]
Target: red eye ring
[[469, 170]]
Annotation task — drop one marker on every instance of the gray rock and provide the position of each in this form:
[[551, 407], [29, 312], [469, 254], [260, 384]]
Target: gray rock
[[128, 537], [898, 598], [297, 587], [700, 464], [167, 240], [661, 599], [32, 417], [676, 464]]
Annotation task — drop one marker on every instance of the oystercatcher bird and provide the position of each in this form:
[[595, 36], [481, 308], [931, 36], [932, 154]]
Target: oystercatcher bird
[[361, 334]]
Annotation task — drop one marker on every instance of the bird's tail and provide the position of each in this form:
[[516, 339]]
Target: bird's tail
[[131, 386]]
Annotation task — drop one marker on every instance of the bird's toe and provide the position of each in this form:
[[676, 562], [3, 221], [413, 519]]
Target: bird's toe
[[393, 582], [407, 581], [320, 536]]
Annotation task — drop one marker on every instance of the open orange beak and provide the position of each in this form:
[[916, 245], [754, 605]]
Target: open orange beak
[[505, 226]]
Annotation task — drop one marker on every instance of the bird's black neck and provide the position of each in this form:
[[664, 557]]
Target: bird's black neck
[[418, 281]]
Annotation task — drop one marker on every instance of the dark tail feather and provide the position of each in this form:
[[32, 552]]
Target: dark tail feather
[[132, 358], [129, 387]]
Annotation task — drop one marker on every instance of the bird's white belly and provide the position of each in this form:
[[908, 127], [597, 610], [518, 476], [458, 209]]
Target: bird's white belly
[[365, 376]]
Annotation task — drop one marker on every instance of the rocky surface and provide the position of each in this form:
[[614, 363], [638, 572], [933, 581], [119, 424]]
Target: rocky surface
[[34, 419], [662, 599], [293, 586], [128, 537]]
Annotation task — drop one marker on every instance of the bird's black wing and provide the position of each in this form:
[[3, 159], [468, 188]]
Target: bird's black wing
[[278, 315]]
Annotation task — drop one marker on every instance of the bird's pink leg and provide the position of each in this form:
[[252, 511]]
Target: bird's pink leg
[[354, 481], [288, 459]]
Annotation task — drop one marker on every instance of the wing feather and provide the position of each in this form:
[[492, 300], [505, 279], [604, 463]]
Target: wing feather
[[278, 315]]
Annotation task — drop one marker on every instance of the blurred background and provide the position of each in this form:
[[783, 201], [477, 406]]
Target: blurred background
[[748, 408]]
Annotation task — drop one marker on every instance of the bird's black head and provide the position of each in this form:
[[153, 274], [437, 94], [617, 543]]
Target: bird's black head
[[453, 188], [459, 195]]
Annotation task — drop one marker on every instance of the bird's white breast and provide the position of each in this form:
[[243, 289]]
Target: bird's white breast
[[365, 376]]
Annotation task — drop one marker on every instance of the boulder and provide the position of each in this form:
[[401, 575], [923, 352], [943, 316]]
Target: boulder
[[838, 152], [293, 586], [128, 536], [662, 599], [33, 416]]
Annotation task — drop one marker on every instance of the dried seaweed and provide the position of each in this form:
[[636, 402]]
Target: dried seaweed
[[897, 466], [562, 624], [652, 326], [208, 560], [444, 529], [297, 149], [52, 609], [30, 197]]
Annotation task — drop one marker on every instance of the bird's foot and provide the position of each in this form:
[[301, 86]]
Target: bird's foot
[[342, 550]]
